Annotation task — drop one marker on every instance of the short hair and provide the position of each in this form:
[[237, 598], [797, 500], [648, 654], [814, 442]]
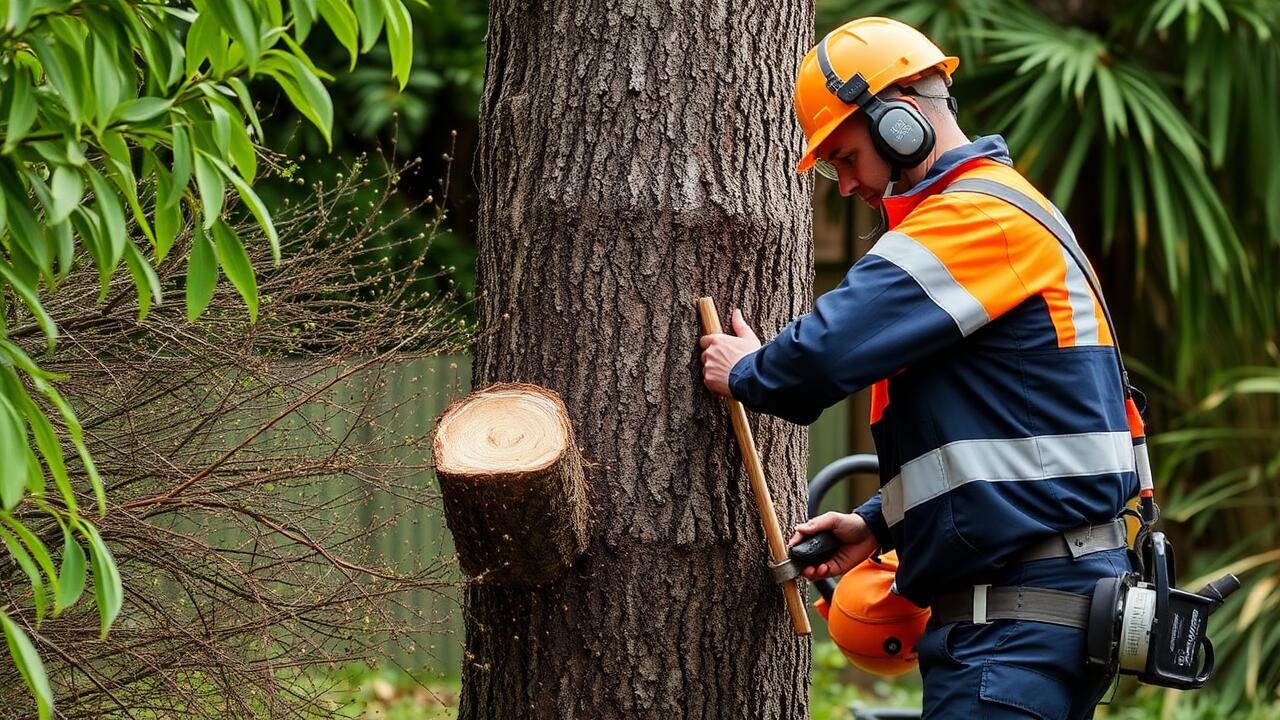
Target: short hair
[[931, 91]]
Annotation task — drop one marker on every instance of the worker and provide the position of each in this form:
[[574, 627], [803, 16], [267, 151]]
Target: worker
[[997, 411]]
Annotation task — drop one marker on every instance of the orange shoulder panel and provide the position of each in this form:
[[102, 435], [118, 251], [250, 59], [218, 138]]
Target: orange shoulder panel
[[998, 253]]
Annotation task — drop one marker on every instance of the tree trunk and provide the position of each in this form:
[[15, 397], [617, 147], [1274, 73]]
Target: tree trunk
[[633, 156]]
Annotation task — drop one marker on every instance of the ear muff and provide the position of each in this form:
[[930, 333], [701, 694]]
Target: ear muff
[[899, 131]]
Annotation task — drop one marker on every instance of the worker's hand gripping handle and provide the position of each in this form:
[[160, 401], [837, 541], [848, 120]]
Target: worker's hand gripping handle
[[755, 471]]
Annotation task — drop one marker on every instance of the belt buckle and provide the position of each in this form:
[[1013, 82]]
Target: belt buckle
[[980, 604]]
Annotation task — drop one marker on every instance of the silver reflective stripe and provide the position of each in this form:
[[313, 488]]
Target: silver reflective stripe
[[1038, 458], [1080, 297], [933, 277], [1017, 199], [1145, 481], [1082, 311], [1057, 215]]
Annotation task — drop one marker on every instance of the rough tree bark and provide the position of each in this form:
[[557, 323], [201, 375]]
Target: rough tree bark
[[634, 155]]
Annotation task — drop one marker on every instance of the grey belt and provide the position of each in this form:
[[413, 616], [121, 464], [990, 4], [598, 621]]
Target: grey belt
[[982, 603], [1078, 541]]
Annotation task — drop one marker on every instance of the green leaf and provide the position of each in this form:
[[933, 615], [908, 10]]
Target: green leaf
[[202, 274], [46, 441], [167, 219], [22, 109], [209, 182], [60, 237], [61, 78], [24, 230], [87, 224], [75, 154], [27, 660], [112, 216], [141, 109], [242, 152], [238, 20], [144, 280], [20, 555], [107, 590], [183, 159], [246, 104], [68, 191], [371, 14], [221, 123], [304, 14], [205, 39], [18, 15], [32, 302], [71, 579], [108, 85], [303, 88], [342, 21], [235, 264], [35, 546], [76, 432], [35, 478], [399, 39], [16, 454], [24, 362], [255, 204], [120, 168]]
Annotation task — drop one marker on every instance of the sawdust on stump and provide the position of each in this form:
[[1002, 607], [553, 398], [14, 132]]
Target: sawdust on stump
[[514, 491]]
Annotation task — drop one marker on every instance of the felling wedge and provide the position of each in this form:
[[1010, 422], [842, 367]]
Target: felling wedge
[[514, 492], [764, 502]]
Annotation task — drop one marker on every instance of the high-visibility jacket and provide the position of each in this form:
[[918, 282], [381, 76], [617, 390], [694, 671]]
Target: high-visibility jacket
[[997, 407]]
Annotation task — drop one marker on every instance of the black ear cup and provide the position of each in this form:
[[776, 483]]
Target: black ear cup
[[900, 133]]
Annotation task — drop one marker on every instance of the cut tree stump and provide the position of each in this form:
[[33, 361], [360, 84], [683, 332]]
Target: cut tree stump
[[515, 496]]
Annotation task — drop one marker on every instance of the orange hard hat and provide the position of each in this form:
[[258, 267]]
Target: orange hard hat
[[874, 627], [883, 51]]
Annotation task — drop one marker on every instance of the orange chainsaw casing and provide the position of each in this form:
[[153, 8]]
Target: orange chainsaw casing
[[874, 627]]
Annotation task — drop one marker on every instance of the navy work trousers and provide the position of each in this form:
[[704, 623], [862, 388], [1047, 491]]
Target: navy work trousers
[[1014, 669]]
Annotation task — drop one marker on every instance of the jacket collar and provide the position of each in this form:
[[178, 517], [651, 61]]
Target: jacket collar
[[950, 164]]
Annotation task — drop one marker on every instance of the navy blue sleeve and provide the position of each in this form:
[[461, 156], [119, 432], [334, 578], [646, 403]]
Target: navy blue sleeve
[[872, 513], [877, 321]]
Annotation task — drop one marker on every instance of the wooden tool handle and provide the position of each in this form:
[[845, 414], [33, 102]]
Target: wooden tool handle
[[755, 471]]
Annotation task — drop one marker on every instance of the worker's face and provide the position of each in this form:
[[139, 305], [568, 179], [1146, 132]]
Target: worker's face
[[859, 168]]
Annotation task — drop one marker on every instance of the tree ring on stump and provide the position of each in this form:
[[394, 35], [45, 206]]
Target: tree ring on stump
[[509, 429], [513, 485]]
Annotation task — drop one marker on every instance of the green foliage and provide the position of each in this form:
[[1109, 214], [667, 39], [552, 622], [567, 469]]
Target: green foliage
[[359, 691], [123, 120], [1153, 124], [433, 116], [837, 687]]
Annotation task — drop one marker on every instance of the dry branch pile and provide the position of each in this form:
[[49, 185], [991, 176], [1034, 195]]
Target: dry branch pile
[[251, 468]]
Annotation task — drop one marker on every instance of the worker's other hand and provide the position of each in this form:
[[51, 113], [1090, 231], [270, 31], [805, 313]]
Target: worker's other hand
[[853, 532], [720, 352]]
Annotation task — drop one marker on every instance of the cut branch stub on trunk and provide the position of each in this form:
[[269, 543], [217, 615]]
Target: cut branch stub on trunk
[[514, 492]]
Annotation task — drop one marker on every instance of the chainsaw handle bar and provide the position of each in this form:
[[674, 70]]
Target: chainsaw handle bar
[[827, 478]]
